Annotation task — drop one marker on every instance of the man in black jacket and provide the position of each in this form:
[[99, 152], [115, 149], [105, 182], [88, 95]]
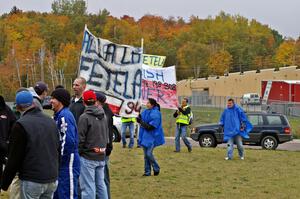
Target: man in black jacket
[[33, 151], [93, 139], [7, 119], [77, 107], [101, 98]]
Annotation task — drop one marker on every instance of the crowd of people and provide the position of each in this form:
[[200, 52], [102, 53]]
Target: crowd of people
[[67, 155]]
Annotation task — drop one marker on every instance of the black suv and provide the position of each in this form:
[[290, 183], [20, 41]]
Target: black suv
[[269, 130]]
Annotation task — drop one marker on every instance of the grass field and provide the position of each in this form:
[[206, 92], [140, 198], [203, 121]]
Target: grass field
[[205, 174], [205, 115]]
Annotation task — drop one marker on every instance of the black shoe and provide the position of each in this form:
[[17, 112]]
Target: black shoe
[[190, 149], [156, 173], [176, 151], [145, 174], [124, 146]]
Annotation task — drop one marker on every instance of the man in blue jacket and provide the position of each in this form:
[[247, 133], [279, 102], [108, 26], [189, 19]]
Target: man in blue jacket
[[236, 126], [69, 168]]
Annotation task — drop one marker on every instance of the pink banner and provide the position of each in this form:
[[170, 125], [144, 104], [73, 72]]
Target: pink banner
[[160, 84]]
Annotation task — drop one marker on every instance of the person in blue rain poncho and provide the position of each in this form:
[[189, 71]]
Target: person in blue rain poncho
[[236, 126], [151, 135]]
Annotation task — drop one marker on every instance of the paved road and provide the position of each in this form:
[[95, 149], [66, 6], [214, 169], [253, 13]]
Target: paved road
[[288, 146]]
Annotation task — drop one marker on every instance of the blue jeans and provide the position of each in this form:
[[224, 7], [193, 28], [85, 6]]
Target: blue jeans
[[106, 176], [150, 160], [130, 125], [238, 140], [33, 190], [92, 179], [181, 132]]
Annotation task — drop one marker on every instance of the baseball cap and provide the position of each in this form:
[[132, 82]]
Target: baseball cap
[[89, 96], [40, 87], [101, 97], [24, 99]]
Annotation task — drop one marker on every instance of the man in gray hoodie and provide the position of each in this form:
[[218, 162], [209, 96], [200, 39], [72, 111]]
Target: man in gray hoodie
[[93, 138]]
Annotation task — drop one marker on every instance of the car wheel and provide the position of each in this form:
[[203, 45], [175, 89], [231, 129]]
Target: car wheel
[[207, 140], [116, 135], [269, 142]]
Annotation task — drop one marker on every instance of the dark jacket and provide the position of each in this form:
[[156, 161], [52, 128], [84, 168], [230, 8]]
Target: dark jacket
[[33, 149], [109, 117], [7, 119], [77, 108], [93, 133]]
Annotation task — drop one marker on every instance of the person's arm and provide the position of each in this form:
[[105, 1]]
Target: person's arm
[[243, 119], [17, 148], [186, 111], [175, 114], [145, 125], [82, 131], [109, 146], [222, 119], [67, 131]]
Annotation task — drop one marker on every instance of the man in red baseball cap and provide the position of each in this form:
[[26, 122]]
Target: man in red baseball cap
[[93, 138]]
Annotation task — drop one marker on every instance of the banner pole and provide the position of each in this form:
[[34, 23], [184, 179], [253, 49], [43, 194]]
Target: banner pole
[[142, 45]]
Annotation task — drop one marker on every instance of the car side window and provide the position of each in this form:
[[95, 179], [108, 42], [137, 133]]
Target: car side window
[[274, 119], [255, 119]]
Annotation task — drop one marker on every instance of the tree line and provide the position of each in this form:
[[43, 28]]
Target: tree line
[[46, 46]]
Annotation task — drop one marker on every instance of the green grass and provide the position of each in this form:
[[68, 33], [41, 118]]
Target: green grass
[[205, 174], [205, 115]]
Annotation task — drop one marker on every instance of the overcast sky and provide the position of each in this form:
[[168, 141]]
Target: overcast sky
[[281, 15]]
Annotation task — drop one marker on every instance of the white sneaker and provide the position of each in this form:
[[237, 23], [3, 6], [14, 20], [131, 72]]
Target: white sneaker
[[242, 158], [227, 158]]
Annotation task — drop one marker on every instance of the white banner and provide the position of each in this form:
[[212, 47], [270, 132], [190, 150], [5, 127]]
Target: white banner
[[160, 84], [115, 70]]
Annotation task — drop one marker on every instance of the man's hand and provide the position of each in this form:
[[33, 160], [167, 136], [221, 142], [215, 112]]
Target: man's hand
[[180, 109], [242, 127]]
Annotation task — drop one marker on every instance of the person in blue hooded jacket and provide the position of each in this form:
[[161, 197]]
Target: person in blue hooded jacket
[[236, 126], [151, 135]]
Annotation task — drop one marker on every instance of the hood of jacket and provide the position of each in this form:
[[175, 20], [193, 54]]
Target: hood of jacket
[[95, 111]]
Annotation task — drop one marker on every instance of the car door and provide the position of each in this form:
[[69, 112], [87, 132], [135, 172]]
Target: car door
[[258, 125]]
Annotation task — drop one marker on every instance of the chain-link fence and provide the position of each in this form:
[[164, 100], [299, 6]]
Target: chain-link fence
[[286, 108]]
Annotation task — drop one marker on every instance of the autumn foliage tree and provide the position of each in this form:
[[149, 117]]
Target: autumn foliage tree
[[198, 47]]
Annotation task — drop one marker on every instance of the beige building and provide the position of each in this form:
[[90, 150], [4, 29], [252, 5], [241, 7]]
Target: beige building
[[235, 84]]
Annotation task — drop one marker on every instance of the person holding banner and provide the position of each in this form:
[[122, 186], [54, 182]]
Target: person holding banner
[[182, 116], [128, 122], [151, 135]]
